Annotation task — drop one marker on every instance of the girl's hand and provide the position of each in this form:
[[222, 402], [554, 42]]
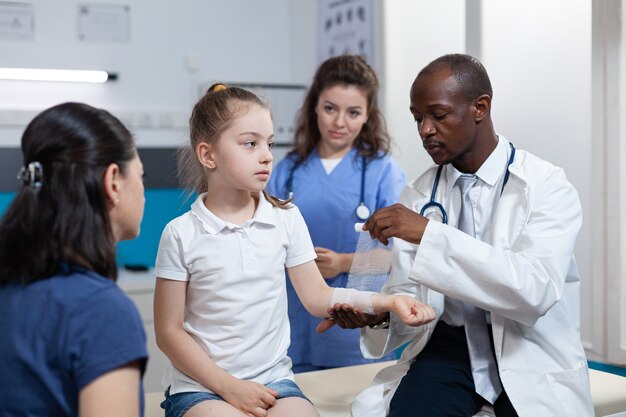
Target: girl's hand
[[251, 398], [411, 311]]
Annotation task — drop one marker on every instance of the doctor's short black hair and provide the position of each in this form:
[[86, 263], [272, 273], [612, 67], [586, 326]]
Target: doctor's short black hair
[[468, 72]]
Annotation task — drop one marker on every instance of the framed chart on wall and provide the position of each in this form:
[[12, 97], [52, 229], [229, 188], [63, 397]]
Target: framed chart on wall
[[347, 27]]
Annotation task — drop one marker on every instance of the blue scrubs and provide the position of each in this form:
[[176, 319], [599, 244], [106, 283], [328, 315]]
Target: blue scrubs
[[328, 203]]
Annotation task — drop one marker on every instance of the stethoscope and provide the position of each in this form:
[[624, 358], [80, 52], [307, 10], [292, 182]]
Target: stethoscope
[[362, 211], [439, 206]]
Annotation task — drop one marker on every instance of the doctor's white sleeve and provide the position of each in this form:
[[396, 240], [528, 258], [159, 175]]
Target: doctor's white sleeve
[[524, 273]]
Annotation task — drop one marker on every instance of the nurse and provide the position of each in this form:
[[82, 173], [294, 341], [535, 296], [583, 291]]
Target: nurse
[[338, 172]]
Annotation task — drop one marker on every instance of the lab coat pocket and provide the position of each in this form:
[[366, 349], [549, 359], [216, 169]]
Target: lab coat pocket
[[571, 389]]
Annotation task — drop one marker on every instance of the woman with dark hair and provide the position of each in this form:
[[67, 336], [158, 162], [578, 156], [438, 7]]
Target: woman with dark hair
[[72, 343], [338, 173]]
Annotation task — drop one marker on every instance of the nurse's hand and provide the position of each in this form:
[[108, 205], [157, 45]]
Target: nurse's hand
[[331, 263], [396, 221]]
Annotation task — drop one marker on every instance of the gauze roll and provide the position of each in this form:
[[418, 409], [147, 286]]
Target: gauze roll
[[358, 299], [371, 263]]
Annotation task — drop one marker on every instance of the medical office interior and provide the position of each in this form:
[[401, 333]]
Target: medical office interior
[[558, 70]]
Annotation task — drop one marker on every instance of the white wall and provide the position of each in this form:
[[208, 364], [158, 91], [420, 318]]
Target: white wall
[[609, 196], [538, 55], [303, 40], [235, 40], [415, 32]]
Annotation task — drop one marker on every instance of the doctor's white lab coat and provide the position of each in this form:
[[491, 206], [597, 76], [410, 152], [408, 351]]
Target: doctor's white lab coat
[[524, 274]]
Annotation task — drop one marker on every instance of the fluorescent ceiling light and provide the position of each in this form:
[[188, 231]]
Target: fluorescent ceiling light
[[32, 74]]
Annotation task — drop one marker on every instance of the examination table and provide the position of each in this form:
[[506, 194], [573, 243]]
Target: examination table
[[332, 390]]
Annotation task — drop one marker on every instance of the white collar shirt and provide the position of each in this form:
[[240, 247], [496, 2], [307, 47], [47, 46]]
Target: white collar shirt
[[484, 196], [236, 305]]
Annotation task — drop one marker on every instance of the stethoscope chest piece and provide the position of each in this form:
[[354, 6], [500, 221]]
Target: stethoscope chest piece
[[362, 212]]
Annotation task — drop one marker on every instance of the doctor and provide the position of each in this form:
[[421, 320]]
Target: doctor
[[505, 286], [338, 173]]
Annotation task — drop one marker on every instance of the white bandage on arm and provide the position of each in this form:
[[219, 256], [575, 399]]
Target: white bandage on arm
[[358, 299]]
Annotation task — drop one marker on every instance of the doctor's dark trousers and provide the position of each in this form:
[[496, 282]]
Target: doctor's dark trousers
[[439, 382]]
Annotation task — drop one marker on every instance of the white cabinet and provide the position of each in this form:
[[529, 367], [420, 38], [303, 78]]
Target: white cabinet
[[139, 286]]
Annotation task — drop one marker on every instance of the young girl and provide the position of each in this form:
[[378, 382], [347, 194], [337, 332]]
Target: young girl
[[220, 299], [339, 172], [72, 342]]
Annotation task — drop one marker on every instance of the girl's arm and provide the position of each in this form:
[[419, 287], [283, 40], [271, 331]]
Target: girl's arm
[[317, 297], [189, 357], [115, 393]]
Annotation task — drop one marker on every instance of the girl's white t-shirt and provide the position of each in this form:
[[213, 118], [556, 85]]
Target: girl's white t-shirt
[[236, 306]]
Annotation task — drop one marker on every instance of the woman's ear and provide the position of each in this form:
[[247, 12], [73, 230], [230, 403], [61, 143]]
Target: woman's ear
[[204, 153], [482, 105], [112, 185]]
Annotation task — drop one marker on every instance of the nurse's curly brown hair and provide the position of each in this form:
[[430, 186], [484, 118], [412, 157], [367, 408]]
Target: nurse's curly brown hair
[[345, 70]]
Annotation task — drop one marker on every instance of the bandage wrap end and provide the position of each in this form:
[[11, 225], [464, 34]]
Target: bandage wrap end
[[358, 299]]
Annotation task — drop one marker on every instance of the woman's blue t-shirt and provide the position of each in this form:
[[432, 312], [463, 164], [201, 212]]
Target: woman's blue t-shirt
[[58, 335]]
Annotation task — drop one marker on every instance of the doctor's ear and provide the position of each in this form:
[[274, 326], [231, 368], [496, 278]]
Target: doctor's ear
[[481, 107], [204, 153]]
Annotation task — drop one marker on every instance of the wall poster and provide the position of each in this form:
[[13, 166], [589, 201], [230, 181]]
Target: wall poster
[[346, 26]]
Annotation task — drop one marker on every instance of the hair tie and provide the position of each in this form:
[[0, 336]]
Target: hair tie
[[31, 175], [218, 87]]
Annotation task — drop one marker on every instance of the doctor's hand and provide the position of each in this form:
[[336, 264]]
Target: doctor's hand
[[396, 221], [331, 263], [411, 311], [348, 317]]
